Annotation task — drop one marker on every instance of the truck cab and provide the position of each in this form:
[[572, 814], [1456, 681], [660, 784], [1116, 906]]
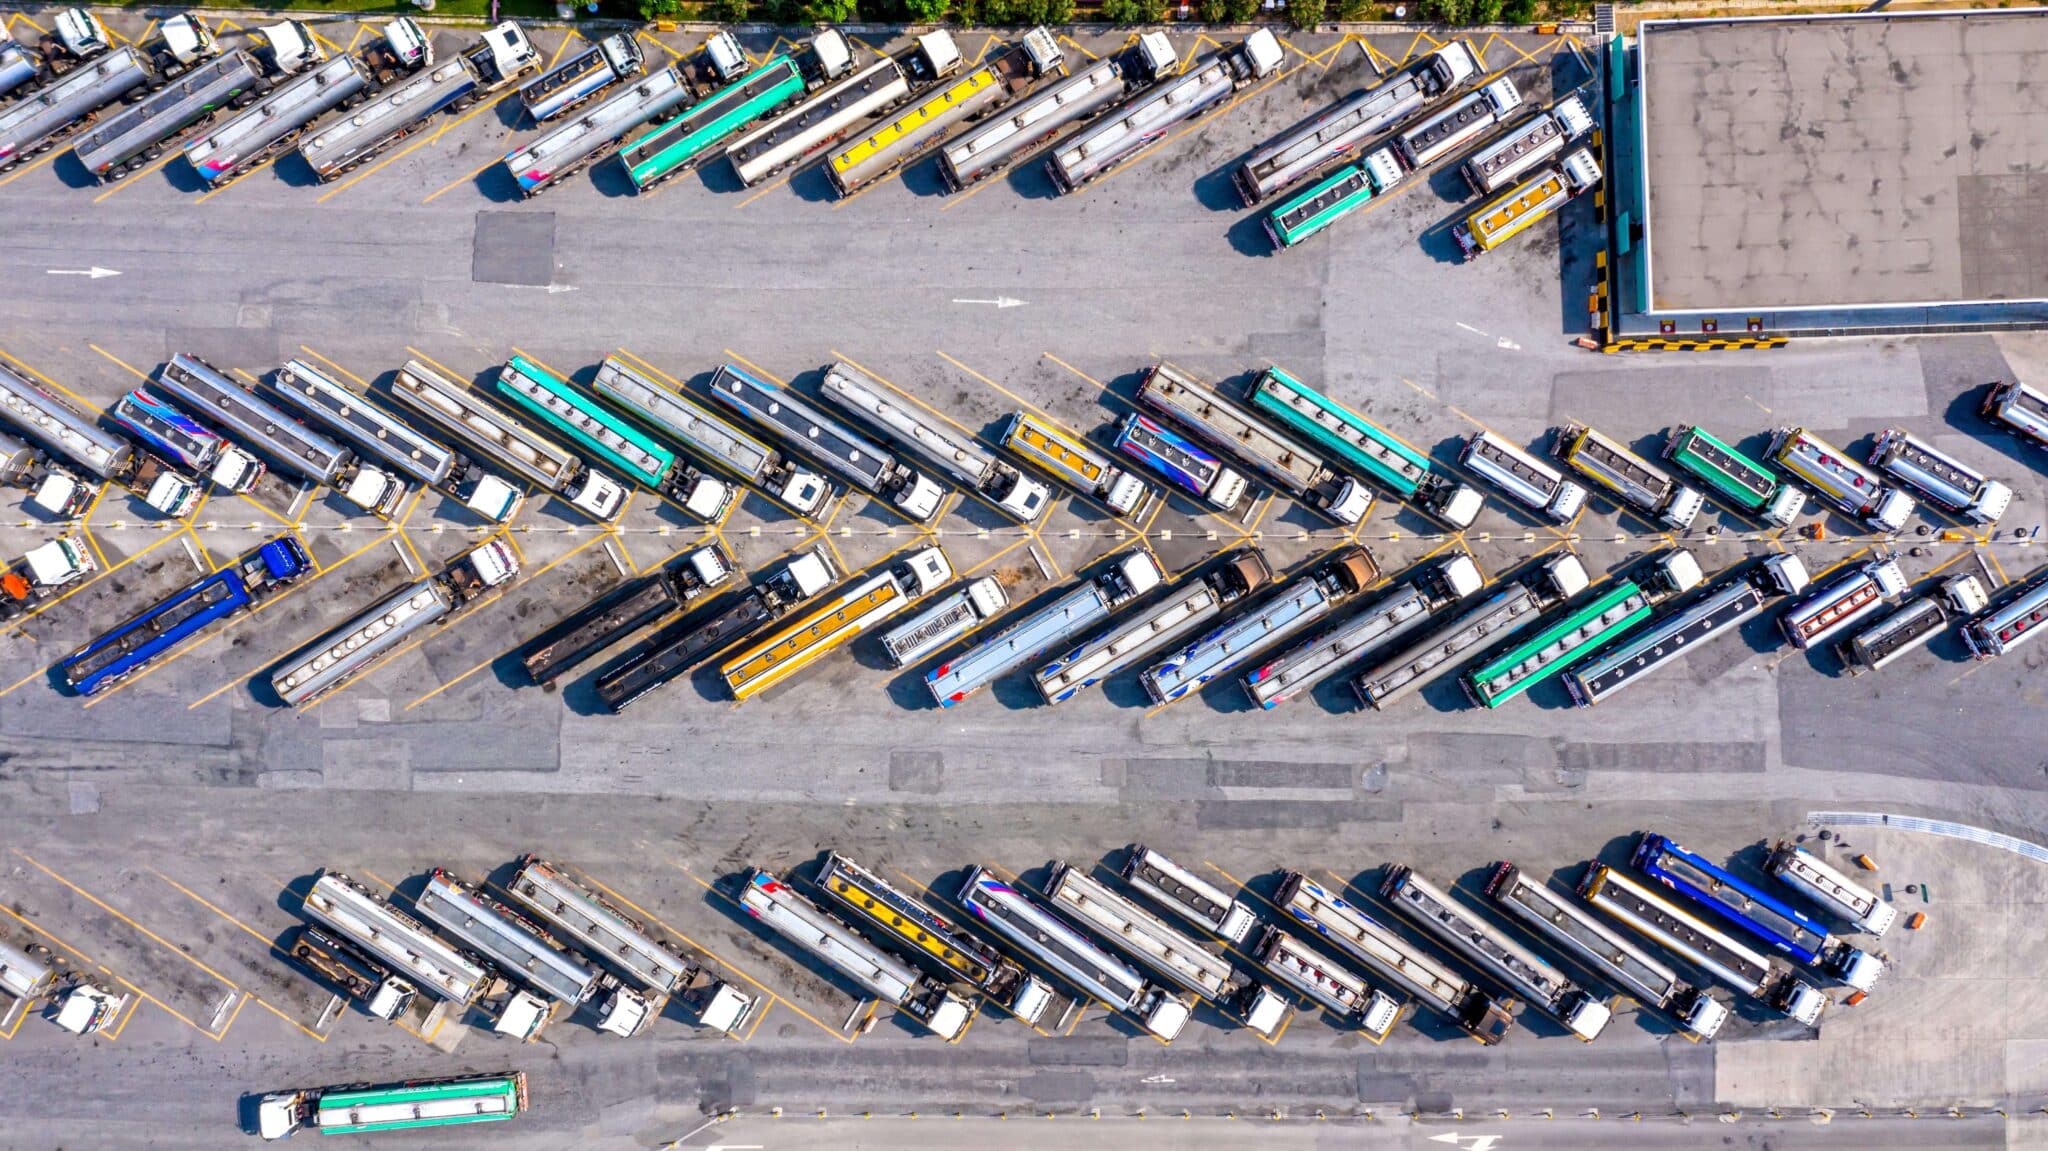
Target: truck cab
[[623, 1011], [236, 470], [831, 56], [494, 499], [728, 60], [597, 494], [1452, 65], [405, 47], [62, 495], [920, 498], [54, 564], [290, 47], [375, 491], [725, 1008], [523, 1014], [709, 497], [1352, 501], [711, 565], [1262, 1010], [280, 1113], [88, 1009], [165, 490], [926, 571], [486, 566], [1032, 998], [76, 36], [1156, 57], [1026, 498], [1786, 573], [807, 575], [183, 41], [503, 55]]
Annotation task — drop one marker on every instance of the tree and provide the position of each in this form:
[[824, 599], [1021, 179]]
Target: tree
[[1518, 11], [1058, 12], [1305, 13], [926, 11], [1241, 11], [658, 9], [1134, 11], [830, 11], [723, 11], [1213, 11]]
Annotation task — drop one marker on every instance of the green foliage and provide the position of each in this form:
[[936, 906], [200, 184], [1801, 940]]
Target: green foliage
[[1241, 11], [997, 13], [1058, 12], [1518, 12], [1213, 11], [1306, 13], [1466, 11], [926, 11], [658, 9], [721, 11], [829, 11], [1134, 11]]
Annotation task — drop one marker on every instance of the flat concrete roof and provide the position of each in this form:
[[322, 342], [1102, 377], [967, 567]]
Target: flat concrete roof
[[1806, 162]]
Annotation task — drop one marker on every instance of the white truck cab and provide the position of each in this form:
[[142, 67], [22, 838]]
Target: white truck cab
[[62, 495], [409, 43], [709, 497], [1262, 48], [1567, 576], [236, 470], [1462, 577], [834, 56], [1353, 500], [1787, 573], [511, 52], [59, 562], [729, 61], [623, 1011], [523, 1015], [1262, 1010], [921, 498], [1156, 56], [80, 34], [375, 491], [1027, 499], [494, 563], [495, 500], [929, 569], [292, 47], [88, 1008], [812, 572], [710, 565], [726, 1009], [599, 495], [186, 42]]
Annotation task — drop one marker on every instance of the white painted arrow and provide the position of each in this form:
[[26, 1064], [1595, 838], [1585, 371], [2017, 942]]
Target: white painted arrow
[[999, 302], [1467, 1142], [96, 273], [557, 288]]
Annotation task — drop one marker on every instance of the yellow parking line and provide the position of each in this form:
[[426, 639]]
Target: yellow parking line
[[827, 1028], [585, 545], [433, 137], [111, 910], [382, 537], [202, 901], [756, 368], [265, 1004], [563, 49], [487, 166], [46, 381], [755, 196], [136, 177]]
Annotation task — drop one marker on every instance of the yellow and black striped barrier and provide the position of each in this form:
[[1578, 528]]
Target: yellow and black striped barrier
[[1704, 344]]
